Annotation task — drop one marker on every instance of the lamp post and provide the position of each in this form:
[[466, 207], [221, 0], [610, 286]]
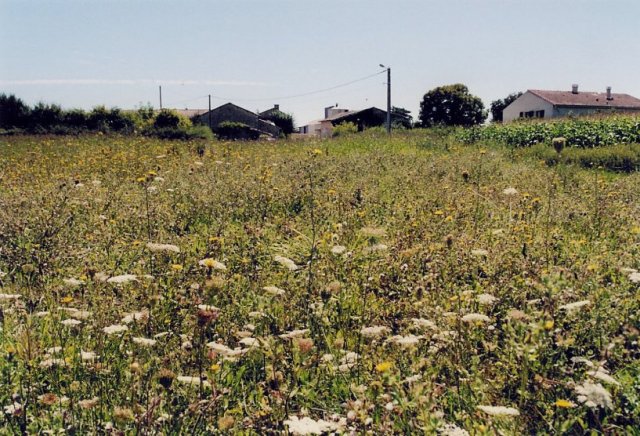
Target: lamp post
[[388, 98]]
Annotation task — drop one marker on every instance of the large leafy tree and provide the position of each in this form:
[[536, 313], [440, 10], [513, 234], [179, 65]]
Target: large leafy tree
[[282, 120], [497, 106], [451, 105], [401, 118], [13, 112]]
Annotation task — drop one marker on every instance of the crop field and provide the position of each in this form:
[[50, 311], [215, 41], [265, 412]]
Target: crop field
[[403, 285]]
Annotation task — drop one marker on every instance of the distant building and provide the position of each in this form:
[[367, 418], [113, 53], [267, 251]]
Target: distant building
[[363, 119], [233, 113], [552, 104]]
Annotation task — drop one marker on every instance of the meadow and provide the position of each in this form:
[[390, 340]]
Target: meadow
[[366, 284]]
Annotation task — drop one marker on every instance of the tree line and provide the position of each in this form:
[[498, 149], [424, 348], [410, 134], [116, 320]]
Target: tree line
[[449, 105]]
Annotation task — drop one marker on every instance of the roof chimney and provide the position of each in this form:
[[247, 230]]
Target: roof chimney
[[609, 97], [326, 110], [574, 88], [276, 107]]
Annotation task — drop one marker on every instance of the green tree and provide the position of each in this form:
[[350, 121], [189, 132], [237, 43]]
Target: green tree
[[13, 112], [451, 105], [167, 118], [497, 106], [282, 120], [401, 118]]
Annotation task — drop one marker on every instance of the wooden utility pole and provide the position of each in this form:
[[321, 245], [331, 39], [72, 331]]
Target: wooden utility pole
[[389, 100], [160, 88], [210, 112]]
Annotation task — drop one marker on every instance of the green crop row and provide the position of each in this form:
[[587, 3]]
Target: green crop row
[[583, 133]]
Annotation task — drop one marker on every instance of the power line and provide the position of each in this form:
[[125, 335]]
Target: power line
[[304, 94]]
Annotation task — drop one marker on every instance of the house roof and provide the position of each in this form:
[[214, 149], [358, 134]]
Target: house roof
[[351, 113], [190, 113], [590, 99]]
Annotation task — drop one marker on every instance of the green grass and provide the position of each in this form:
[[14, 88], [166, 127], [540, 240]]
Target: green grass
[[383, 231]]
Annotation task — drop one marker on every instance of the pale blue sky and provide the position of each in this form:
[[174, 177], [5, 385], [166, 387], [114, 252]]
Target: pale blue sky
[[116, 53]]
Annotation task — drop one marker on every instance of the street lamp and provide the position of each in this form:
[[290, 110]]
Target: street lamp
[[388, 98]]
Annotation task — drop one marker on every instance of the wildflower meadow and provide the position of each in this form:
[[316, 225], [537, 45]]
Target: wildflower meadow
[[368, 284]]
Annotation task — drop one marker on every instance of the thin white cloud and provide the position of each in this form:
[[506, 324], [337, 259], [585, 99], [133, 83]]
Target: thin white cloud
[[187, 82]]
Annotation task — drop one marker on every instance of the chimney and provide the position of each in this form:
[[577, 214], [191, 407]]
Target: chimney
[[609, 97], [326, 110], [276, 107], [574, 88]]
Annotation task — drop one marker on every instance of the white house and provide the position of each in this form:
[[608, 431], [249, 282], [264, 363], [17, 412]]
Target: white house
[[552, 104]]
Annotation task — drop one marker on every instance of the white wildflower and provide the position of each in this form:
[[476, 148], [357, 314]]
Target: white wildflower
[[571, 307], [124, 278], [135, 316], [480, 252], [100, 277], [294, 334], [208, 307], [449, 429], [510, 191], [306, 426], [475, 317], [188, 380], [13, 409], [486, 299], [499, 410], [115, 328], [374, 331], [144, 342], [8, 297], [405, 341], [73, 282], [249, 342], [412, 379], [603, 375], [422, 323], [635, 277], [338, 249], [213, 264], [286, 262], [274, 290], [71, 322], [162, 248], [49, 363], [88, 356], [579, 359], [594, 395]]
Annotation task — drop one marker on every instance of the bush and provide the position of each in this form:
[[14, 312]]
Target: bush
[[344, 129], [619, 158], [232, 130], [584, 133], [167, 118], [13, 112]]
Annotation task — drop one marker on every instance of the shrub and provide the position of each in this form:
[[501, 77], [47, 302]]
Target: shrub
[[13, 112], [344, 129], [167, 118], [233, 131]]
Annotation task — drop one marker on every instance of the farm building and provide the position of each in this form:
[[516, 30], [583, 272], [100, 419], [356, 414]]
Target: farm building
[[231, 113], [365, 118], [552, 104]]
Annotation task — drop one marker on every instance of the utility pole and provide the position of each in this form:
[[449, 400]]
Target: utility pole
[[160, 87], [388, 98], [210, 112]]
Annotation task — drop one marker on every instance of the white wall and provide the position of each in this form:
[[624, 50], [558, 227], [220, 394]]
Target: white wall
[[525, 103]]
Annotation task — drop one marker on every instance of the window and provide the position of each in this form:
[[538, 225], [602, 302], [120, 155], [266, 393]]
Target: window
[[540, 114]]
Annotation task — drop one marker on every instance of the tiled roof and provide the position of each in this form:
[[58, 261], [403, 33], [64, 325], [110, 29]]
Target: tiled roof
[[591, 99]]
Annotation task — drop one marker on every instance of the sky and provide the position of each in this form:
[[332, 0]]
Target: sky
[[257, 53]]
